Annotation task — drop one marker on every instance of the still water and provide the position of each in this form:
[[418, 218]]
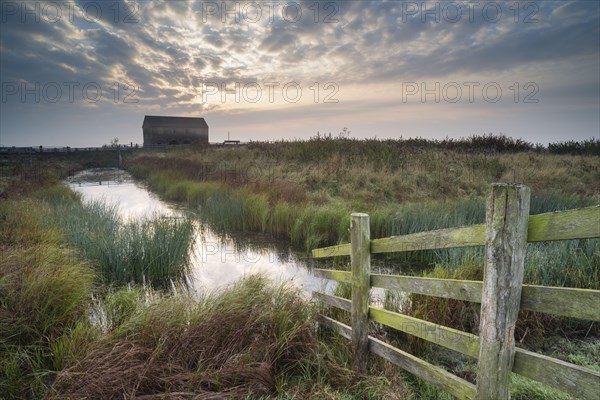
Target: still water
[[218, 260]]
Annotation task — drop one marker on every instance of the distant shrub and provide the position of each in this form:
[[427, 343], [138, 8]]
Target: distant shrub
[[589, 147], [490, 144]]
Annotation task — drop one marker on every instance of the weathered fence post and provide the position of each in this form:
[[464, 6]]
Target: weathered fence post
[[506, 241], [360, 239]]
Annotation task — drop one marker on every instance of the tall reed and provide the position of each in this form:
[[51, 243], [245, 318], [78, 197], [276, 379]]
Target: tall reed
[[155, 250]]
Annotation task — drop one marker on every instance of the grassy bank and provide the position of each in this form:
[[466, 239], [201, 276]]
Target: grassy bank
[[252, 341], [65, 334], [68, 331], [45, 290], [304, 191], [23, 174]]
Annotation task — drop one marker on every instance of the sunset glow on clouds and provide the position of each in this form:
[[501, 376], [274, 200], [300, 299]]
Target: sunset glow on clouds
[[289, 69]]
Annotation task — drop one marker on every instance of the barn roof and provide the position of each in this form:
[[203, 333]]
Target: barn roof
[[173, 122]]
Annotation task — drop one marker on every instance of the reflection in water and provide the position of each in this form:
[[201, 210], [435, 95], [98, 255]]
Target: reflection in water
[[218, 259], [117, 186]]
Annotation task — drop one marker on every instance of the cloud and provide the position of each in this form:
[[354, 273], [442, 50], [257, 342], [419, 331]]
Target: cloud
[[169, 49]]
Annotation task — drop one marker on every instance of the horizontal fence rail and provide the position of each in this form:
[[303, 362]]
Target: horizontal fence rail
[[507, 229], [438, 376], [565, 302], [570, 378], [559, 225]]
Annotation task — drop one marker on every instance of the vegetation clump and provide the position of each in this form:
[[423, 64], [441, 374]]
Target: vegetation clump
[[154, 251], [45, 290], [254, 340]]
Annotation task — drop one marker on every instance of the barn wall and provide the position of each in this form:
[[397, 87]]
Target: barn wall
[[164, 136]]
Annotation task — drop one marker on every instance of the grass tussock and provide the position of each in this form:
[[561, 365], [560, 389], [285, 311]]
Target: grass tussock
[[23, 224], [153, 251], [45, 291], [254, 340]]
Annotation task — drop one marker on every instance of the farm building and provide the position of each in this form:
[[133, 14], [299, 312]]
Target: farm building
[[161, 130]]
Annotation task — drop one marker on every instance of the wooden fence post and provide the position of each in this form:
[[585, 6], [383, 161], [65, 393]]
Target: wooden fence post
[[360, 239], [506, 241]]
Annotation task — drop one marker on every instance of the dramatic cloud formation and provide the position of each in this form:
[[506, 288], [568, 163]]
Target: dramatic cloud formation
[[81, 72]]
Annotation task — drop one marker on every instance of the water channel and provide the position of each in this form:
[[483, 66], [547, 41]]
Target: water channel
[[218, 260]]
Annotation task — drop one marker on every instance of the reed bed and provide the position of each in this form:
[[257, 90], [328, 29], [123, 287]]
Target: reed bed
[[154, 251], [303, 190], [336, 175]]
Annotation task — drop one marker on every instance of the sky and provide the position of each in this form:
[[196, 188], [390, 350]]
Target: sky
[[80, 73]]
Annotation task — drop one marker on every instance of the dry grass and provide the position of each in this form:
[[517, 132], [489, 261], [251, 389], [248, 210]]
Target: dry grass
[[367, 180], [264, 186], [253, 340], [61, 337]]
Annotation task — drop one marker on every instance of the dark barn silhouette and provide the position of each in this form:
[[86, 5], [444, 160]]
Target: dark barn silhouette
[[162, 130]]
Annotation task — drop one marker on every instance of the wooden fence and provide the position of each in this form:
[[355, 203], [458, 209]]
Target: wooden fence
[[505, 234], [122, 147]]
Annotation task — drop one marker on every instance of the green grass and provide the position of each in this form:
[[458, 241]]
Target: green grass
[[405, 187], [45, 290], [573, 263], [154, 251], [239, 209], [62, 336], [304, 190]]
